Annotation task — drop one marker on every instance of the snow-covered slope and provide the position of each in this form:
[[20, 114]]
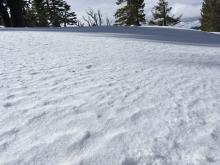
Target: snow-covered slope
[[145, 97], [155, 33], [189, 23]]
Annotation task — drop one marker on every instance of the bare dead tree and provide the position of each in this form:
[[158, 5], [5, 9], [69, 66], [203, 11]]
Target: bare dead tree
[[100, 17], [88, 21], [108, 22], [93, 18], [79, 23]]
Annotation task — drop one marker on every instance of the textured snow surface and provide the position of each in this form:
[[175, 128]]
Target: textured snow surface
[[95, 99]]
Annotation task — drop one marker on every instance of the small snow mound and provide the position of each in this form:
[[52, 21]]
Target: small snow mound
[[89, 66]]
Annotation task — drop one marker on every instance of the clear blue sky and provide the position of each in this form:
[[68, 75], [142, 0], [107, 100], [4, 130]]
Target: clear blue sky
[[189, 8]]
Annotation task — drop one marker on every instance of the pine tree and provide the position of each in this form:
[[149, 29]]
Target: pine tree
[[29, 16], [210, 12], [59, 13], [69, 18], [161, 15], [54, 12], [40, 12], [121, 14], [132, 12]]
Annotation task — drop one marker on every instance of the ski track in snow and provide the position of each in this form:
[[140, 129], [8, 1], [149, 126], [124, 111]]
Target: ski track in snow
[[73, 98]]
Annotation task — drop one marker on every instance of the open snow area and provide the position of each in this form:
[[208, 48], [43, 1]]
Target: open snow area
[[135, 96]]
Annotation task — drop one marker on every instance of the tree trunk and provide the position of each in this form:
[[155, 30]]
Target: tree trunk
[[4, 14], [65, 19], [165, 16], [137, 16], [16, 12]]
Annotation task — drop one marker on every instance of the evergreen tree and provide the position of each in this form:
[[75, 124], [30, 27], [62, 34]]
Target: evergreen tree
[[4, 13], [59, 13], [29, 16], [121, 14], [41, 12], [69, 18], [161, 15], [54, 12], [210, 12], [132, 12]]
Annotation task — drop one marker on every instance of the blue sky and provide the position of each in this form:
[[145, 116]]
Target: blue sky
[[188, 8]]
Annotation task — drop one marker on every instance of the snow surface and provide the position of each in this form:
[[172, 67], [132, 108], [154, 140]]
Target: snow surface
[[109, 99]]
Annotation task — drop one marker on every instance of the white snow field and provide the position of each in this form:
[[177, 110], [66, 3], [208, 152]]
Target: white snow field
[[116, 96]]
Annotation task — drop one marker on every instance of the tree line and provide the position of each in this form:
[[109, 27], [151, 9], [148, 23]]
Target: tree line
[[36, 13], [57, 13]]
